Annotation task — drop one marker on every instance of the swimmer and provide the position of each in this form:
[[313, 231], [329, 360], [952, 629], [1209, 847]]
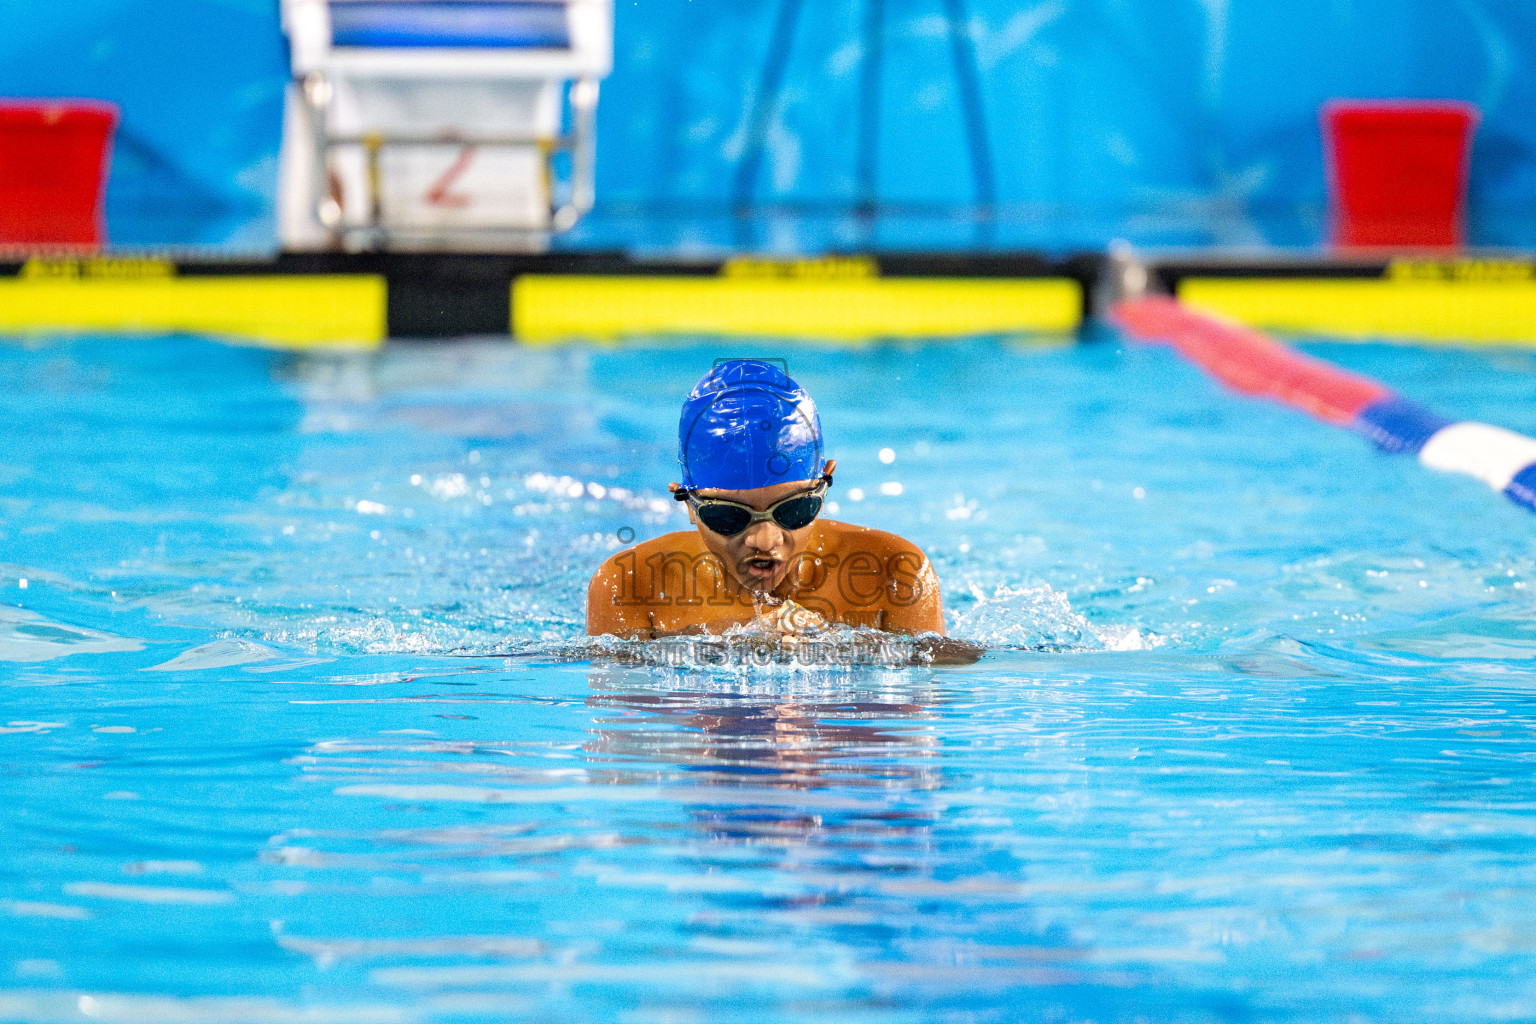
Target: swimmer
[[761, 555]]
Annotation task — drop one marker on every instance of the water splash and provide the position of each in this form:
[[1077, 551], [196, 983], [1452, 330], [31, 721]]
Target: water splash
[[1040, 619], [754, 648]]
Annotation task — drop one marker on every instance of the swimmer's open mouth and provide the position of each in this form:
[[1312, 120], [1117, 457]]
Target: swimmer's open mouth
[[762, 568]]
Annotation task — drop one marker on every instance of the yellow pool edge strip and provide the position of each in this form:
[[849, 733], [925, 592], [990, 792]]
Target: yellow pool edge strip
[[296, 311], [553, 308], [1468, 312]]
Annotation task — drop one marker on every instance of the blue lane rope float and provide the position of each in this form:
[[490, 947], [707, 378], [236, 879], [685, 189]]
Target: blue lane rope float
[[1255, 364]]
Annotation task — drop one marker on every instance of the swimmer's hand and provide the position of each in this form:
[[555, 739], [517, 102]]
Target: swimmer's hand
[[790, 619], [943, 650]]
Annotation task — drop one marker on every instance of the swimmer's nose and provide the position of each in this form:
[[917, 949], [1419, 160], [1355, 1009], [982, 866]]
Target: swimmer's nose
[[763, 536]]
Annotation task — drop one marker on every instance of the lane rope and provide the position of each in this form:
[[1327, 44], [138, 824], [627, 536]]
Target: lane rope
[[1255, 364]]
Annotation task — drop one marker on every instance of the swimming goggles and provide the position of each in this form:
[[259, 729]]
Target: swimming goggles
[[728, 518]]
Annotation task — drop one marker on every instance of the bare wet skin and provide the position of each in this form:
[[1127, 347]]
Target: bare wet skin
[[774, 580]]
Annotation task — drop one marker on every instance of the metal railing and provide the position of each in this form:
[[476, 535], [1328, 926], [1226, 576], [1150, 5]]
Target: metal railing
[[579, 142]]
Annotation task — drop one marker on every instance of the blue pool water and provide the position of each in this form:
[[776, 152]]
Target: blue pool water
[[296, 727]]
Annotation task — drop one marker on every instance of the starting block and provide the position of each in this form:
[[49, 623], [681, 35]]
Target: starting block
[[437, 123]]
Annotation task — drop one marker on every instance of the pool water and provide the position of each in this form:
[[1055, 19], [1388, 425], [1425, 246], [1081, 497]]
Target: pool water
[[298, 726]]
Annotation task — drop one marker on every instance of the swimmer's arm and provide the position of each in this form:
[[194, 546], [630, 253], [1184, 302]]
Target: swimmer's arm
[[914, 605], [604, 612], [918, 607], [943, 650]]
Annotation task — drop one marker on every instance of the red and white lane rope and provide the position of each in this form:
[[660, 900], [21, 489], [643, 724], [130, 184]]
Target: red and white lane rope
[[1256, 364]]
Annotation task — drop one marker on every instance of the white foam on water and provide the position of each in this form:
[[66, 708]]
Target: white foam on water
[[1039, 619], [59, 911], [149, 893], [753, 649], [329, 951], [49, 1006], [1128, 638], [38, 968], [163, 867], [27, 636], [752, 974]]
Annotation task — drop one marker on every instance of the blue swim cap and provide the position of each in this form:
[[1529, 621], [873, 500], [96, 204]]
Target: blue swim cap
[[747, 424]]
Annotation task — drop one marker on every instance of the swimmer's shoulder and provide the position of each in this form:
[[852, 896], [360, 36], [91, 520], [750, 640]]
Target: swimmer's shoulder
[[911, 601], [617, 566], [611, 607], [844, 539]]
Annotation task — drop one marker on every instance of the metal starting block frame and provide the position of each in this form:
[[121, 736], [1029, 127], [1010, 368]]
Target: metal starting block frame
[[435, 124]]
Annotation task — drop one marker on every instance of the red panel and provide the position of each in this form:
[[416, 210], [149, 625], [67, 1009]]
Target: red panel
[[1249, 361], [1398, 172], [53, 168]]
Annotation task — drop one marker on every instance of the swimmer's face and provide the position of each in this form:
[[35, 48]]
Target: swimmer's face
[[760, 556]]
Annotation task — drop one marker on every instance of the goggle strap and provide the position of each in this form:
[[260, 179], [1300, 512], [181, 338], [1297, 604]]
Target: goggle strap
[[685, 493]]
